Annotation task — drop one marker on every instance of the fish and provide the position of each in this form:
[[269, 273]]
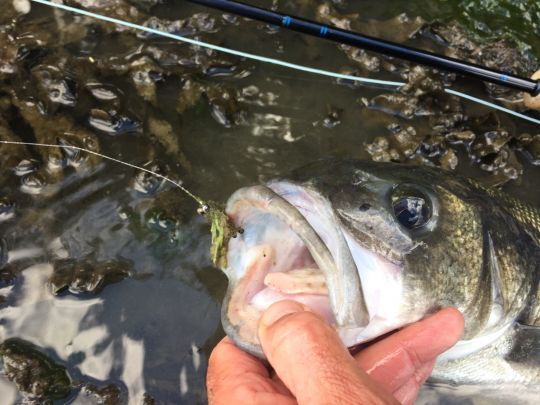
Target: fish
[[372, 247]]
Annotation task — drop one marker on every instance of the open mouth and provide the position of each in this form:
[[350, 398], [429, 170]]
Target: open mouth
[[292, 248]]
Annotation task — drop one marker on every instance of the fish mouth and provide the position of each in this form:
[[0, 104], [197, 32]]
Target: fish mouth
[[293, 248]]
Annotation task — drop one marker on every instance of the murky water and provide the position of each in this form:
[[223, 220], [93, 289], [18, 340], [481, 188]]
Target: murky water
[[107, 270]]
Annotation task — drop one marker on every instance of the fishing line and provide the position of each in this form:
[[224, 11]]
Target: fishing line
[[176, 184], [273, 61], [219, 48], [492, 105]]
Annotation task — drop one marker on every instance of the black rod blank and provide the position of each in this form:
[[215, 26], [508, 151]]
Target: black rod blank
[[376, 45]]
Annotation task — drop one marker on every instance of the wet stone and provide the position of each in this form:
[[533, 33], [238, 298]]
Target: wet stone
[[81, 277], [33, 183], [449, 160], [33, 372], [224, 106], [103, 92], [505, 56], [4, 253], [53, 129], [407, 141], [108, 395], [163, 132], [380, 150], [72, 157], [333, 118], [148, 399], [433, 146], [394, 104], [30, 56], [490, 142], [53, 87], [450, 35], [461, 137], [532, 150], [148, 183], [145, 5], [367, 61], [26, 166], [448, 121], [223, 70], [190, 94], [7, 212], [421, 81], [112, 123], [145, 73]]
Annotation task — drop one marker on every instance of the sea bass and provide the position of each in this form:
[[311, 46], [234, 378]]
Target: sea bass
[[372, 247]]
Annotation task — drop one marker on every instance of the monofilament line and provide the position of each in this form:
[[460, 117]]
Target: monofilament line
[[185, 190], [220, 48], [275, 61]]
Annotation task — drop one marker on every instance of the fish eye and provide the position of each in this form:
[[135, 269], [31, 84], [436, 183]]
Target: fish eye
[[411, 207]]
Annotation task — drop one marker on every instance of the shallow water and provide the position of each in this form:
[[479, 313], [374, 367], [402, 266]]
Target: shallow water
[[149, 331]]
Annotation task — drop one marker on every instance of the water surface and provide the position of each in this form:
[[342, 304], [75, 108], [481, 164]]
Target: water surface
[[212, 121]]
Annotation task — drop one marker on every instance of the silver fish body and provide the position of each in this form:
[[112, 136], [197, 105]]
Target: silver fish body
[[392, 244]]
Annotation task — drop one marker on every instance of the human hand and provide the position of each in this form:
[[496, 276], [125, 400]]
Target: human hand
[[311, 365]]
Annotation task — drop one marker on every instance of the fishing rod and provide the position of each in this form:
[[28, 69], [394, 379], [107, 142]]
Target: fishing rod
[[376, 45]]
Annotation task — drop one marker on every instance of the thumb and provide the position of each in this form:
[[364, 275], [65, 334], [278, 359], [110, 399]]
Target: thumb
[[310, 359]]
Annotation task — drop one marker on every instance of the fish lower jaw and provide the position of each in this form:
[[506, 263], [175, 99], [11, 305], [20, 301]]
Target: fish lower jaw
[[265, 282]]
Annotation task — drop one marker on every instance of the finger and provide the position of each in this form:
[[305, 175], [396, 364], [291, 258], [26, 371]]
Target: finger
[[395, 360], [280, 384], [237, 377], [228, 361], [310, 359], [408, 392]]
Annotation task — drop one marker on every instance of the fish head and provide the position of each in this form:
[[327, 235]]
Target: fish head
[[370, 247]]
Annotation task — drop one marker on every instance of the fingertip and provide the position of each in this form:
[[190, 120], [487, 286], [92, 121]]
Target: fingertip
[[223, 348], [450, 321], [454, 317], [279, 310]]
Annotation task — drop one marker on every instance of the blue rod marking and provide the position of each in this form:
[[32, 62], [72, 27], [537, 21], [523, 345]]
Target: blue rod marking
[[286, 21], [323, 31]]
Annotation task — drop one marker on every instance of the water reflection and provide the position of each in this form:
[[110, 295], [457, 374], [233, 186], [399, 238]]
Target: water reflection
[[213, 122], [112, 337]]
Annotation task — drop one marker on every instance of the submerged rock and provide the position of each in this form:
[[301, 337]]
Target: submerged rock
[[224, 106], [148, 183], [108, 395], [530, 146], [3, 253], [7, 211], [85, 277], [54, 87], [33, 372]]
